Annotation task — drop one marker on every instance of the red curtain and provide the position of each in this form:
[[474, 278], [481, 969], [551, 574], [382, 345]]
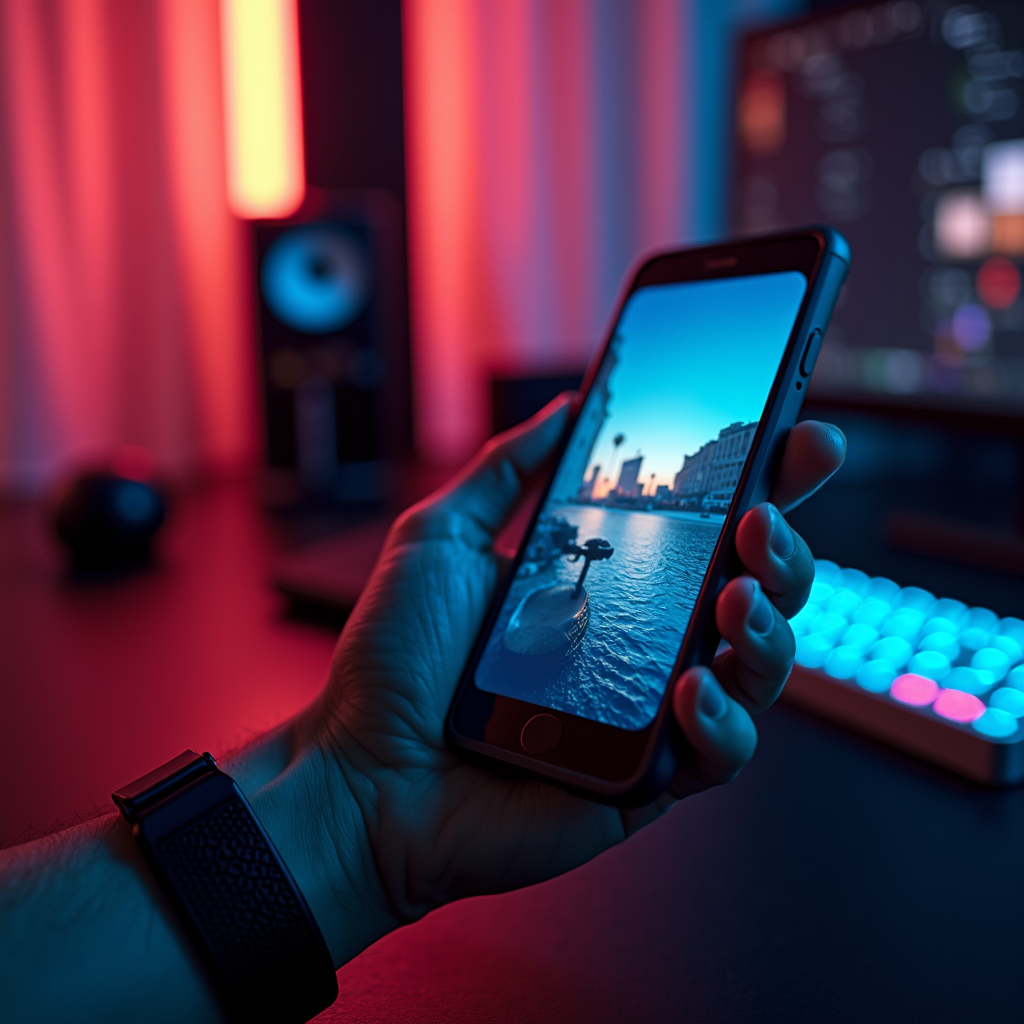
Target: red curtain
[[124, 295], [550, 144], [547, 148]]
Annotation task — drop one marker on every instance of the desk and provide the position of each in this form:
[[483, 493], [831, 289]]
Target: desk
[[834, 881]]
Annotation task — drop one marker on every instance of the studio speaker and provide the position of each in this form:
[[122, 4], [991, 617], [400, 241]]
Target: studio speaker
[[333, 354]]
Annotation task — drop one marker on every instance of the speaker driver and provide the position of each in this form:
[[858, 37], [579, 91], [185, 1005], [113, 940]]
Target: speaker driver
[[316, 279]]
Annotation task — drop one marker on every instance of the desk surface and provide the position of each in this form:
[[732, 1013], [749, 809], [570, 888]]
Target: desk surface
[[834, 881]]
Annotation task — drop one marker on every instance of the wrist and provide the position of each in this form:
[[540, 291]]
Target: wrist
[[303, 799]]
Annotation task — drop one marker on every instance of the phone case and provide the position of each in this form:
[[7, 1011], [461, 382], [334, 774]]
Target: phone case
[[621, 766]]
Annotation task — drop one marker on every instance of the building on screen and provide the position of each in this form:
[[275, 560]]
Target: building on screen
[[710, 475], [628, 486]]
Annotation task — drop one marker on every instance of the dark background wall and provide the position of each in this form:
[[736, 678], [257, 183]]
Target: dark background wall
[[353, 119]]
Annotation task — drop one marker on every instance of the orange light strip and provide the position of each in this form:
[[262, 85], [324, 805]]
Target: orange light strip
[[263, 107]]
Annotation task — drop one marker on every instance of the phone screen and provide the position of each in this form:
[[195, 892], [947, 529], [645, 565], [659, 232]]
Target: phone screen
[[595, 616]]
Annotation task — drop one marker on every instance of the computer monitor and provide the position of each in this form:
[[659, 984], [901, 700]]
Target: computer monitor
[[901, 124]]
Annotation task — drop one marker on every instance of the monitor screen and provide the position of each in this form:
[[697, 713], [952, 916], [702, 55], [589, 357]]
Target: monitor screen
[[901, 124]]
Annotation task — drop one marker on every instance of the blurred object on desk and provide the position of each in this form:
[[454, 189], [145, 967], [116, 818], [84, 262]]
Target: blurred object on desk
[[928, 675], [109, 515], [108, 521], [331, 573], [331, 557]]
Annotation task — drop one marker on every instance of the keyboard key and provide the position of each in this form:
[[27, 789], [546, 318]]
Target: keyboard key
[[812, 650], [914, 690], [970, 680], [1007, 645], [1007, 699], [941, 643], [939, 624], [995, 723], [873, 611], [824, 570], [851, 579], [844, 661], [1016, 678], [930, 664], [893, 649], [973, 639], [916, 598], [877, 675], [947, 608], [1013, 628], [804, 621], [958, 706], [982, 618], [990, 659], [831, 625], [860, 636], [842, 602], [905, 623], [882, 589]]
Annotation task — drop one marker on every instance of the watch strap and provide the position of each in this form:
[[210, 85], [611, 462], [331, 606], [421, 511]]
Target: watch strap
[[253, 930]]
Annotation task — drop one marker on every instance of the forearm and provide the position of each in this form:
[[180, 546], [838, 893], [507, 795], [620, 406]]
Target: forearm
[[84, 934], [304, 799], [85, 931]]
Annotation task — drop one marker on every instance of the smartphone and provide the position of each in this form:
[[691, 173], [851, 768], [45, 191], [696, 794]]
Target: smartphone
[[677, 431]]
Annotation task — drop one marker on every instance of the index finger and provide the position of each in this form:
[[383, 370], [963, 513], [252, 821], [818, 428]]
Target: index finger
[[814, 451]]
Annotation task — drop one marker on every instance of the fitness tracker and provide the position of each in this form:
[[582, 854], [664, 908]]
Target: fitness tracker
[[251, 927]]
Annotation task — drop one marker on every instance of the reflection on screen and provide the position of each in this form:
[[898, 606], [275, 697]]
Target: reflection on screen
[[595, 615]]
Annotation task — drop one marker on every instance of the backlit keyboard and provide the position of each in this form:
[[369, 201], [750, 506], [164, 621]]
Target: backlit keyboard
[[930, 675]]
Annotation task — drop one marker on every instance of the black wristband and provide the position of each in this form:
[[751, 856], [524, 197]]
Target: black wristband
[[252, 929]]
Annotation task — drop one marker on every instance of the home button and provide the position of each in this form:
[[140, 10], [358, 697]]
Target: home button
[[541, 734]]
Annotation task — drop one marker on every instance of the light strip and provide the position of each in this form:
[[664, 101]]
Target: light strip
[[262, 107]]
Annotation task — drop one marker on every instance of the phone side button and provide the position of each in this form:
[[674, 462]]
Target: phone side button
[[811, 353], [541, 734]]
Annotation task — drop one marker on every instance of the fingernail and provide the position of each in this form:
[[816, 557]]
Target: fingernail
[[760, 618], [711, 700], [781, 542]]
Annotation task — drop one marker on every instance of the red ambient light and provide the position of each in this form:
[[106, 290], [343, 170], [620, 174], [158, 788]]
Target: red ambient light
[[998, 282]]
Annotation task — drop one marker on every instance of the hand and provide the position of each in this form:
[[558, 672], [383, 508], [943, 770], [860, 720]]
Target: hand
[[381, 821]]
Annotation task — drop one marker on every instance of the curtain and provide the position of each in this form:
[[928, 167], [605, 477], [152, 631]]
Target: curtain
[[124, 279], [550, 143]]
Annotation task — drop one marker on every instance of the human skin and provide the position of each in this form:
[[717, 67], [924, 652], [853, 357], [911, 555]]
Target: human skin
[[377, 819]]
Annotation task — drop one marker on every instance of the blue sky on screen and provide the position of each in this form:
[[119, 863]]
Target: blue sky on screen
[[696, 357]]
